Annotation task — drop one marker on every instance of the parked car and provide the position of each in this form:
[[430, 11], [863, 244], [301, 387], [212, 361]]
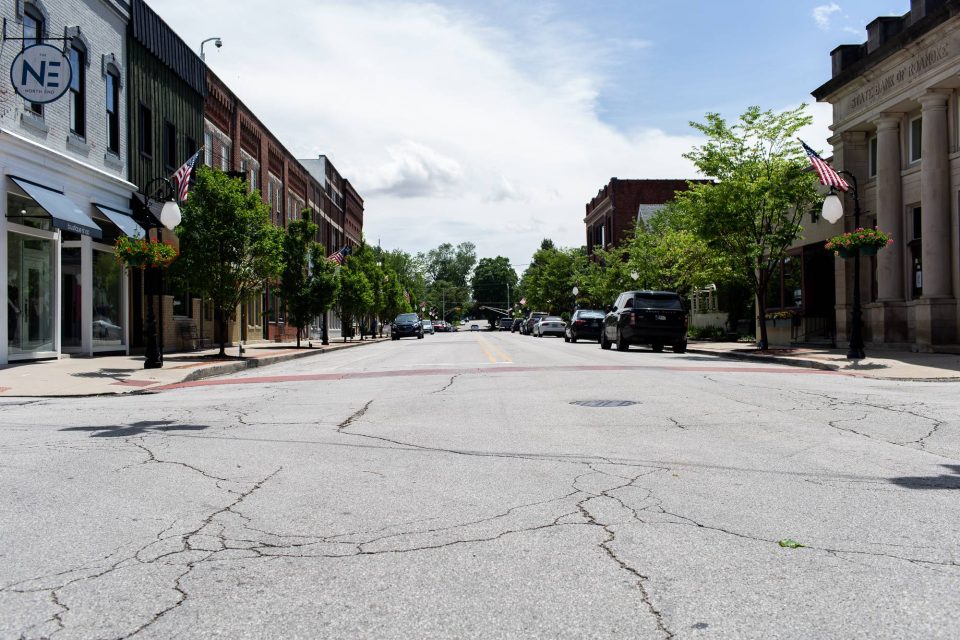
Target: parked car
[[505, 323], [517, 322], [656, 318], [550, 326], [427, 326], [527, 327], [440, 326], [585, 324], [406, 325], [474, 327]]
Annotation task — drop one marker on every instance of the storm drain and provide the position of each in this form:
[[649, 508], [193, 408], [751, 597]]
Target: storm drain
[[603, 403]]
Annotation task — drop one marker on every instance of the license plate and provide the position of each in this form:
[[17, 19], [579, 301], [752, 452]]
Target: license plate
[[661, 317]]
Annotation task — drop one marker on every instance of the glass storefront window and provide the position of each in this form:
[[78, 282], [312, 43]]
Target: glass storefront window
[[71, 299], [108, 319], [30, 304]]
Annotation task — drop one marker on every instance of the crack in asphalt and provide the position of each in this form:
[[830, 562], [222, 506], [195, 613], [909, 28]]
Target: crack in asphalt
[[153, 459], [449, 384], [356, 415]]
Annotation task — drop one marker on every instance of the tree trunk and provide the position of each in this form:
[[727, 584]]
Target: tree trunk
[[764, 343], [220, 318], [298, 337]]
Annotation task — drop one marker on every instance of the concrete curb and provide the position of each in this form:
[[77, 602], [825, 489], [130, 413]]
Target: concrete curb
[[225, 368], [755, 357]]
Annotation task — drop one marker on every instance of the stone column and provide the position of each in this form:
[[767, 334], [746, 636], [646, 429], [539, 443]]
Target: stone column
[[890, 208], [935, 196]]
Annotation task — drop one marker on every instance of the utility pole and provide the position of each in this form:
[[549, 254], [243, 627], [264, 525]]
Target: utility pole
[[508, 296]]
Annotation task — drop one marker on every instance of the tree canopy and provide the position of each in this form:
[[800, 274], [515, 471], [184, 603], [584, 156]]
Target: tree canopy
[[229, 249]]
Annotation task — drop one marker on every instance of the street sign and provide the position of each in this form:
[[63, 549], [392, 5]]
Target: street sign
[[41, 73]]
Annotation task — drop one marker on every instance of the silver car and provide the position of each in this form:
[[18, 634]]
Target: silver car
[[550, 326], [428, 327]]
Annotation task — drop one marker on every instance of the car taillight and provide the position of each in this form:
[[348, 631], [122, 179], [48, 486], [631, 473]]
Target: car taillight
[[580, 322], [633, 318]]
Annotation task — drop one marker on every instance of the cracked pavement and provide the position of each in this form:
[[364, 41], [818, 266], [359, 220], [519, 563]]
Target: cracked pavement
[[482, 504]]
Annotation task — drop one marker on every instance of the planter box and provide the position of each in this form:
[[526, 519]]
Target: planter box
[[863, 251]]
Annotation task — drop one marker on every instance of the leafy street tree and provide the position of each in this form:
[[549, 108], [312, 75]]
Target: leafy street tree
[[751, 213], [295, 280], [355, 297], [228, 247], [450, 264], [549, 280], [324, 283], [494, 284]]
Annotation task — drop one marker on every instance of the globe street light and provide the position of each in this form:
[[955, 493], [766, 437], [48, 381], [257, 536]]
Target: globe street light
[[157, 202], [832, 211]]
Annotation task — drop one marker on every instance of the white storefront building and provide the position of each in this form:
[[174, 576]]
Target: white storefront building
[[896, 125], [64, 198]]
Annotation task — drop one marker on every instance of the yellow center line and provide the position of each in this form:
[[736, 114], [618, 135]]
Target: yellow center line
[[490, 349]]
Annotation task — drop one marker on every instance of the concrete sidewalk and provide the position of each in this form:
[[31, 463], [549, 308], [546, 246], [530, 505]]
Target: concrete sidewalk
[[111, 375], [879, 363]]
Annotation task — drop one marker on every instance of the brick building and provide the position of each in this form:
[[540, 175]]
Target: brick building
[[617, 207], [235, 139]]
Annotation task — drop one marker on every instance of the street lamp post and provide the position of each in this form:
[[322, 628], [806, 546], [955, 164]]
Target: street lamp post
[[832, 212], [217, 43], [158, 192]]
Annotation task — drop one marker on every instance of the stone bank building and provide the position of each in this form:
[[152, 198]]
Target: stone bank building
[[896, 127]]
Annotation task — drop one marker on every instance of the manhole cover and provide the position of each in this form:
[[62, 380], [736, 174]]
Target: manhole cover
[[603, 403]]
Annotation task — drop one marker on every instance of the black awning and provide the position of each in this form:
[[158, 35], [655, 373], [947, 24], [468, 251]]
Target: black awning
[[66, 215], [123, 220]]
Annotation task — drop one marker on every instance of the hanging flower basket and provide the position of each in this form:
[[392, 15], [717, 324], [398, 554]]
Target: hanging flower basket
[[139, 253], [862, 242]]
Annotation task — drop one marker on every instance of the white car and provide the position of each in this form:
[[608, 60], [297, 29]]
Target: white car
[[428, 327], [550, 326]]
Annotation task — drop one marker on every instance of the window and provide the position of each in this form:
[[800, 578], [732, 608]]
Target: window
[[169, 145], [145, 130], [208, 149], [873, 157], [113, 112], [916, 253], [33, 29], [916, 135], [78, 90], [226, 150], [785, 286], [191, 147]]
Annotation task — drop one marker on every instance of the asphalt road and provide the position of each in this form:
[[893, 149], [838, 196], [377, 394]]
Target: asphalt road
[[448, 488]]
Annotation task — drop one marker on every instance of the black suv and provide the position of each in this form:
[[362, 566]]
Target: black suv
[[646, 317], [584, 324], [406, 325]]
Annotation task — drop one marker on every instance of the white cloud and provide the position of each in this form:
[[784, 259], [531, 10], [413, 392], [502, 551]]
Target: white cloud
[[450, 128], [414, 171], [823, 13]]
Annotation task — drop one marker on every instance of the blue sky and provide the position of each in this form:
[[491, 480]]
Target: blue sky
[[496, 121]]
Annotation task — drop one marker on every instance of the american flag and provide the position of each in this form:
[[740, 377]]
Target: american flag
[[406, 295], [182, 176], [828, 176], [338, 257]]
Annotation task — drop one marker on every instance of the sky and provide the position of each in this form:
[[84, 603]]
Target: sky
[[496, 121]]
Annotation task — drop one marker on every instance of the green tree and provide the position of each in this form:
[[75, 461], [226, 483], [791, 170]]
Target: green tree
[[751, 211], [228, 247], [355, 297], [548, 282], [494, 284], [324, 281], [295, 279]]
